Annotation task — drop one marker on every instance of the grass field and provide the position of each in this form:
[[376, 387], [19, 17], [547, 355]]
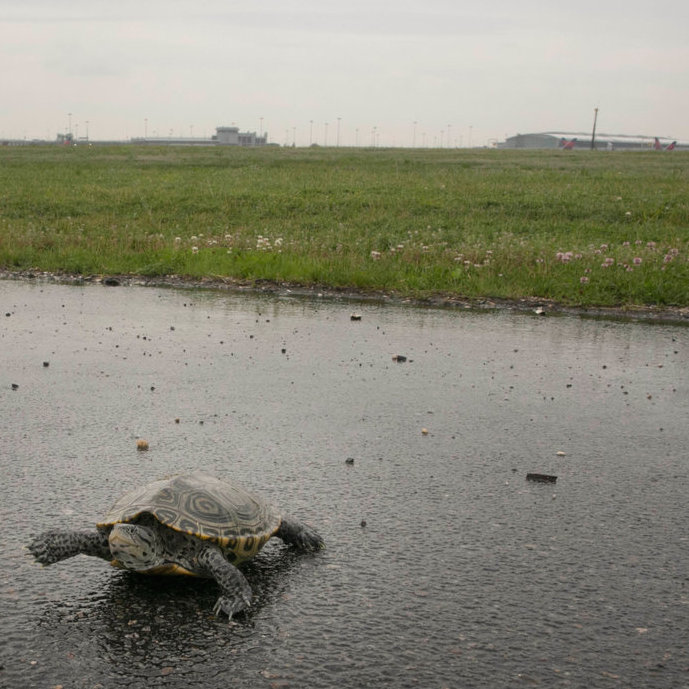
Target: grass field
[[579, 227]]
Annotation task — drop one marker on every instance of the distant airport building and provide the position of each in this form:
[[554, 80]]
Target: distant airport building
[[231, 136], [579, 140], [224, 136]]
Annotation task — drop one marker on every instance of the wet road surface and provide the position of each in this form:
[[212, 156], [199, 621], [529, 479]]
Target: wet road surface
[[464, 575]]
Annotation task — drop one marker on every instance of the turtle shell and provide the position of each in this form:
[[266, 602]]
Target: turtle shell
[[202, 506]]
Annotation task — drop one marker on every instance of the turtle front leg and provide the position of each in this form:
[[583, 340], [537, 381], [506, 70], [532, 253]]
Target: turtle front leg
[[236, 592], [299, 535], [53, 546]]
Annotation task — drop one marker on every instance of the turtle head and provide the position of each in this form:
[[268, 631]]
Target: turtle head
[[136, 547]]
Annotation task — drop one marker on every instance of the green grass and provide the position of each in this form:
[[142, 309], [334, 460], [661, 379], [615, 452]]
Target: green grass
[[472, 223]]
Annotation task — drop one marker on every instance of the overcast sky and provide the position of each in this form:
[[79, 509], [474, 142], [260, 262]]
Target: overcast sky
[[466, 72]]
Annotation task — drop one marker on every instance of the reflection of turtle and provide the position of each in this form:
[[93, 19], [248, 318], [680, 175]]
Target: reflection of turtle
[[191, 524]]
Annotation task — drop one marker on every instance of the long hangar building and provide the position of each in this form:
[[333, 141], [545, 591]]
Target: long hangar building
[[224, 136], [613, 142]]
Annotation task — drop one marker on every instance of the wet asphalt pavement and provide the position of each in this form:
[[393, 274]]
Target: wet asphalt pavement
[[464, 574]]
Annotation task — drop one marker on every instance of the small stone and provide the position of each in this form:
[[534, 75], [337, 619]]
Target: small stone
[[142, 445], [424, 431], [399, 358], [363, 523], [46, 364], [355, 317], [560, 453], [349, 460]]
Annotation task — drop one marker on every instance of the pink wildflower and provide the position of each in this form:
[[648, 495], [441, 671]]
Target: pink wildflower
[[583, 280], [637, 260]]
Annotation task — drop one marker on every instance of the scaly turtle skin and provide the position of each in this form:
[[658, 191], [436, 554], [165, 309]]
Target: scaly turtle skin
[[188, 524]]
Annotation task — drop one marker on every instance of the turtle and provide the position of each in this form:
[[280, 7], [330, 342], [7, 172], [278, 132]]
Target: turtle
[[193, 524]]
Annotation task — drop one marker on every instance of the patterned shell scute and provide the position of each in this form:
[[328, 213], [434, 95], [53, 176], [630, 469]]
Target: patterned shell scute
[[203, 506]]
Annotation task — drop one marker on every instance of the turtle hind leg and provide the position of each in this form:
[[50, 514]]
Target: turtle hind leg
[[299, 535], [236, 592], [53, 546]]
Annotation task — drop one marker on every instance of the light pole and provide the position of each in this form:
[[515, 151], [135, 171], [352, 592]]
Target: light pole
[[87, 130], [449, 139], [260, 126], [593, 134], [69, 124], [145, 127], [311, 133], [338, 131]]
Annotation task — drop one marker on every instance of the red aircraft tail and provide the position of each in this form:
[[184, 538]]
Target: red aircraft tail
[[659, 147], [567, 145]]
